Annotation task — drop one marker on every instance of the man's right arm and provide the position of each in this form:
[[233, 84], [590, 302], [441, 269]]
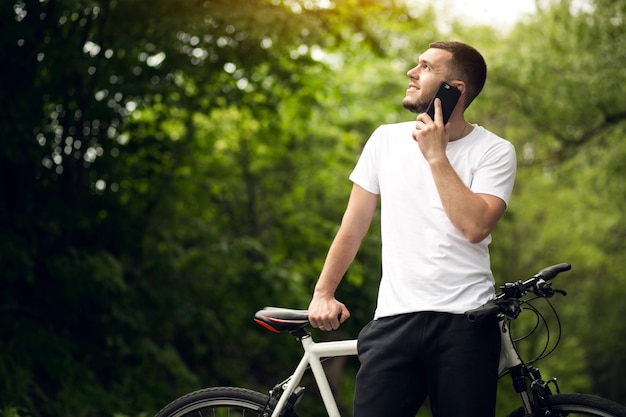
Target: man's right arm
[[325, 311]]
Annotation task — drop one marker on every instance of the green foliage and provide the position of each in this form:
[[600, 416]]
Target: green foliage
[[12, 412], [567, 120], [169, 168]]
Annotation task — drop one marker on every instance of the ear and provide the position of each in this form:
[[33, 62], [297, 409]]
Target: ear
[[459, 85], [462, 87]]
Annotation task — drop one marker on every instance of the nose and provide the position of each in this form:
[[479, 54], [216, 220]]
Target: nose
[[413, 73]]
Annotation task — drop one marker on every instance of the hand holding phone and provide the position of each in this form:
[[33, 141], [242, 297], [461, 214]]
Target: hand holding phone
[[449, 96]]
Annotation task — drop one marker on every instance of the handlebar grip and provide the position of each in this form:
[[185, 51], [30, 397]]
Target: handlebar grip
[[491, 308], [552, 271]]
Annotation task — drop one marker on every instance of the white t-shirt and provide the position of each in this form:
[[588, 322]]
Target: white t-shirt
[[428, 265]]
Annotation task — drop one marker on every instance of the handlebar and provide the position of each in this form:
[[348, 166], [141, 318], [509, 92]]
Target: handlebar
[[506, 301], [491, 308], [552, 271]]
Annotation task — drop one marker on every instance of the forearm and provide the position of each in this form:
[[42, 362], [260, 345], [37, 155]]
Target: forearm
[[342, 252], [354, 226], [475, 215], [324, 310]]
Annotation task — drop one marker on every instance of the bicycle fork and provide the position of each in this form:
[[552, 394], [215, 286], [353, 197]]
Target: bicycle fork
[[527, 381], [509, 359]]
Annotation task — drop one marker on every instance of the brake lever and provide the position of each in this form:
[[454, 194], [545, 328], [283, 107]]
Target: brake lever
[[510, 307], [544, 289], [513, 289]]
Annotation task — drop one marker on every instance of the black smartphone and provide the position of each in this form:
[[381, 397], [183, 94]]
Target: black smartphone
[[449, 96]]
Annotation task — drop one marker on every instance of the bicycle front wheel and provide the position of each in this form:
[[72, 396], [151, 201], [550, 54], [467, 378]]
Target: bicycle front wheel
[[573, 405], [217, 402]]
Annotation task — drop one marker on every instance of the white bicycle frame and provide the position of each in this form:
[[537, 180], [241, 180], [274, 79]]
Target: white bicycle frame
[[315, 351]]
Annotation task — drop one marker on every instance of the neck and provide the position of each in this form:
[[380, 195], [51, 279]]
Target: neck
[[459, 130]]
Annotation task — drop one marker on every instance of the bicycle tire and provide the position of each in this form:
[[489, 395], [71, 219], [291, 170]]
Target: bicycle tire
[[573, 405], [217, 402]]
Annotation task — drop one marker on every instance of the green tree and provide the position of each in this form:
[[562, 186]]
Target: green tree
[[567, 120], [162, 182], [169, 168]]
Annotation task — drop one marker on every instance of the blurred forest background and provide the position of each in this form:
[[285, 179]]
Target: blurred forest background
[[170, 167]]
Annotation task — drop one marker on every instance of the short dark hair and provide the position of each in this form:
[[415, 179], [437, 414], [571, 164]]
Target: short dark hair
[[467, 64]]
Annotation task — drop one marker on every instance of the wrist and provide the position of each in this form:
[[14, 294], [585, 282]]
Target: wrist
[[438, 161], [323, 293]]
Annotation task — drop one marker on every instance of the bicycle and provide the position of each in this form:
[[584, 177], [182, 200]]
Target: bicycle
[[536, 395]]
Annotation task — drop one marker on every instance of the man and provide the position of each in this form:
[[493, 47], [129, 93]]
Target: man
[[442, 189]]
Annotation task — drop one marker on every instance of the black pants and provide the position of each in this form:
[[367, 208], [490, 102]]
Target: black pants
[[443, 356]]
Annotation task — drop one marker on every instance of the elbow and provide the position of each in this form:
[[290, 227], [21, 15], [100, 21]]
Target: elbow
[[476, 238], [478, 227], [476, 235]]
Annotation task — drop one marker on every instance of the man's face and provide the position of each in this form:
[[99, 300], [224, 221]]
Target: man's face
[[424, 79]]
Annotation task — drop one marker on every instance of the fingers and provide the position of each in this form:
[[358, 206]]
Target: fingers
[[425, 126], [425, 119], [438, 112], [328, 322], [327, 316]]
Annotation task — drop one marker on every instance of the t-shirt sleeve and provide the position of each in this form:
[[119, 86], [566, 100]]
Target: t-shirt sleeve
[[365, 173], [496, 173]]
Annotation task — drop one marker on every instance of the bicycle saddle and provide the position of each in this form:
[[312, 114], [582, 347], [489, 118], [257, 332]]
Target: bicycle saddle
[[277, 319]]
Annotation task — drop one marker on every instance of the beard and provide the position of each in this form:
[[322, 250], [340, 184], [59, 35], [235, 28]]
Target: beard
[[416, 105]]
